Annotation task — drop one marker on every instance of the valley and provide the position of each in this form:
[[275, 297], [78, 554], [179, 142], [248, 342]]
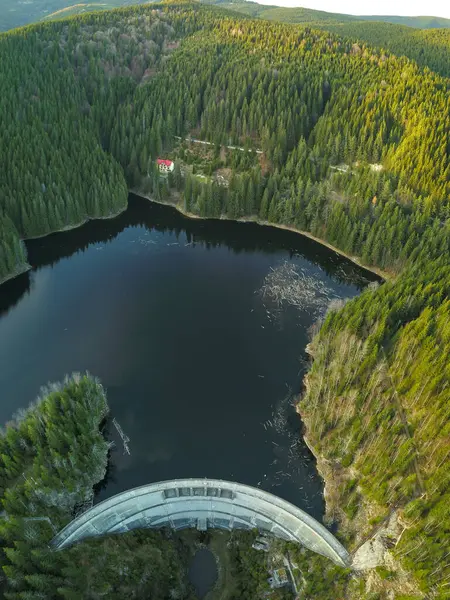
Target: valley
[[254, 121]]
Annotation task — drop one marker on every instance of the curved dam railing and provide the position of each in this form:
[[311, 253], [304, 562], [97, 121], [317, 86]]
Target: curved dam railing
[[202, 503]]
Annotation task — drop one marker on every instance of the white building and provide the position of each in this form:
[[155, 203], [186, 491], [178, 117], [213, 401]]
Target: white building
[[165, 166]]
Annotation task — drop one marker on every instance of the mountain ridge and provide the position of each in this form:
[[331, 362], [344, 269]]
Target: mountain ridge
[[299, 14], [37, 10]]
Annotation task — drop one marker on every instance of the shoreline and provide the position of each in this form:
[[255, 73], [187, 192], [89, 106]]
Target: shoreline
[[323, 467], [385, 275], [76, 225], [27, 267]]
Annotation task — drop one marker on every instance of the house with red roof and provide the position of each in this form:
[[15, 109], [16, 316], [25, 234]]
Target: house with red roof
[[165, 166]]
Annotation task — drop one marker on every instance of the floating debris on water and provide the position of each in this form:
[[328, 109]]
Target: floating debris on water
[[124, 437], [289, 284], [143, 241]]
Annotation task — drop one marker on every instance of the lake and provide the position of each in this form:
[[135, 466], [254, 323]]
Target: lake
[[189, 327]]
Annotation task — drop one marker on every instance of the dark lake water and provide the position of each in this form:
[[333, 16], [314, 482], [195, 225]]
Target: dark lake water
[[203, 572], [199, 366]]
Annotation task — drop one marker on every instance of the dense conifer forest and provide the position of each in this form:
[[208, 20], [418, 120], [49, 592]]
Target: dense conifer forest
[[17, 14], [423, 39], [51, 457], [299, 14], [81, 97], [428, 47], [305, 128]]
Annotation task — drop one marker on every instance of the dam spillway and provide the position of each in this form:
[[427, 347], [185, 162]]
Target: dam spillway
[[202, 504]]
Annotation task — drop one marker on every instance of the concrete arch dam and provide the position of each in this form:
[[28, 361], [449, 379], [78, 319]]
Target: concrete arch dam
[[202, 503]]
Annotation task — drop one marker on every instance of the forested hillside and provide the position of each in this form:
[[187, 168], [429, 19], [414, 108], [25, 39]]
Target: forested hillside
[[99, 90], [424, 39], [306, 129], [55, 119], [299, 14], [428, 47], [422, 22], [51, 457], [377, 410], [16, 14]]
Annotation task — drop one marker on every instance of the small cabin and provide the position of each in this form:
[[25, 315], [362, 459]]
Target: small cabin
[[165, 166]]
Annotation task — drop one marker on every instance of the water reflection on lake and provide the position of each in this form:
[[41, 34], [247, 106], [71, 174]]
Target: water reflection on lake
[[200, 367]]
